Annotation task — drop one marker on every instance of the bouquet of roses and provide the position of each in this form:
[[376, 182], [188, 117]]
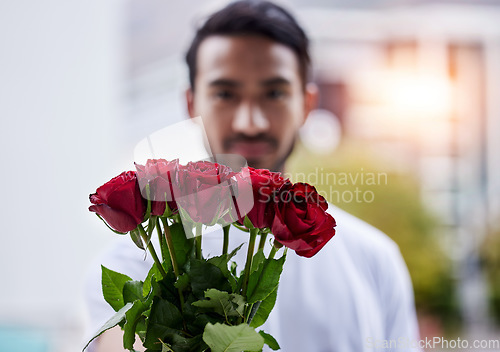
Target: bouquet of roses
[[188, 302]]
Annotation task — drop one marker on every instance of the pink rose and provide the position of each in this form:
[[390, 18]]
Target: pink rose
[[158, 173]]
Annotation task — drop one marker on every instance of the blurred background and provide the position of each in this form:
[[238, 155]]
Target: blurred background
[[406, 137]]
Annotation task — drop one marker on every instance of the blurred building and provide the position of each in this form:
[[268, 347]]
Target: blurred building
[[420, 84]]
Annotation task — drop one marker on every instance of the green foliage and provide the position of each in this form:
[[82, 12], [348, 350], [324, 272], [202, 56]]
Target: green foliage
[[490, 256], [183, 246], [264, 309], [264, 280], [204, 275], [116, 319], [223, 303], [165, 321], [132, 318], [270, 341], [112, 287], [395, 208], [199, 308]]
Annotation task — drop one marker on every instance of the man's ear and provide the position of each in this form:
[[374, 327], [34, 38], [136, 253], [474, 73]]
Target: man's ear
[[311, 97], [190, 102]]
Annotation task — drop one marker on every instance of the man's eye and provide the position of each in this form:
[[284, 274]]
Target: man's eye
[[224, 94], [275, 94]]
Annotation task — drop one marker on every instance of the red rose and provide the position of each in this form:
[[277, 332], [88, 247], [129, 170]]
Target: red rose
[[264, 184], [158, 173], [202, 190], [301, 221], [119, 202]]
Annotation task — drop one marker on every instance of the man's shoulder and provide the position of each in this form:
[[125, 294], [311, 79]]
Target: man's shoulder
[[356, 232], [360, 245], [365, 254]]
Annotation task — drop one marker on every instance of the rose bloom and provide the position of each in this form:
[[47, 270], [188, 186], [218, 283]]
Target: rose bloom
[[264, 184], [202, 190], [301, 221], [158, 173], [119, 202]]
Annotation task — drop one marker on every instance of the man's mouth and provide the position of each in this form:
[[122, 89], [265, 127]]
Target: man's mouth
[[251, 148]]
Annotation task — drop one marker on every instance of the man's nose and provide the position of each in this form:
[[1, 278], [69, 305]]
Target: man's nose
[[250, 120]]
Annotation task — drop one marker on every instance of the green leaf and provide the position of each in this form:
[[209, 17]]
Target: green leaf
[[165, 347], [164, 319], [116, 319], [182, 245], [132, 290], [241, 228], [233, 252], [182, 282], [222, 263], [165, 254], [248, 224], [204, 275], [168, 212], [133, 316], [112, 287], [263, 282], [257, 261], [265, 308], [234, 268], [151, 227], [225, 338], [222, 303], [153, 273], [270, 341], [136, 238], [184, 344], [165, 289]]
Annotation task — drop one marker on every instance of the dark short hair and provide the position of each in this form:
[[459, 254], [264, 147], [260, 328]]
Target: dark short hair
[[251, 17]]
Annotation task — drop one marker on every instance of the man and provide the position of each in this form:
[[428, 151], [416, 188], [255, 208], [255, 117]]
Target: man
[[248, 69]]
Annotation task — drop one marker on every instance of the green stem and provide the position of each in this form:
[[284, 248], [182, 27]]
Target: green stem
[[152, 250], [170, 246], [225, 245], [262, 241], [175, 266], [161, 240], [198, 241], [248, 264], [273, 252]]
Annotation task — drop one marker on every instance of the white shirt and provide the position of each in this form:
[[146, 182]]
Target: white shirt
[[354, 295]]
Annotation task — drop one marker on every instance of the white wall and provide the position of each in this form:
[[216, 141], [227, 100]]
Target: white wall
[[61, 72]]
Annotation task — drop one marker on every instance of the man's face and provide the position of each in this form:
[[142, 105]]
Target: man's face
[[250, 96]]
